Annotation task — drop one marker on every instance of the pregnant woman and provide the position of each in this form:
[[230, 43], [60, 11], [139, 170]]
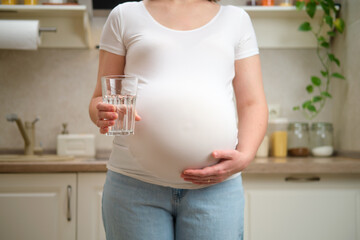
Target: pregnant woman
[[203, 115]]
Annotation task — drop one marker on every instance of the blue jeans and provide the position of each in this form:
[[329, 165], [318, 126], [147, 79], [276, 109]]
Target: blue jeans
[[135, 210]]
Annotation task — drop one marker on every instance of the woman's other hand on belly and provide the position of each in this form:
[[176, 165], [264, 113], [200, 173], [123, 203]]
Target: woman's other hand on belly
[[230, 162]]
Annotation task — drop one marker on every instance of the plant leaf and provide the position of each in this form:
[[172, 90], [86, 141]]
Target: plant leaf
[[339, 25], [321, 39], [317, 99], [296, 108], [338, 75], [334, 59], [316, 81], [300, 5], [325, 44], [324, 73], [325, 7], [329, 20], [326, 94], [309, 88], [305, 27], [311, 8], [311, 108], [306, 104], [331, 33], [332, 5]]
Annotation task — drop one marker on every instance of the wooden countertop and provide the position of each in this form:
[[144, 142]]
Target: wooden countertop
[[309, 165]]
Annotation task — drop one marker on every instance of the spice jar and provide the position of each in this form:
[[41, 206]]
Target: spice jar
[[321, 138], [30, 2], [267, 2], [298, 139], [278, 137], [8, 2]]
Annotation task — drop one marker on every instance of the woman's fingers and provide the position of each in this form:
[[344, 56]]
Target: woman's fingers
[[137, 116], [106, 107], [104, 130], [107, 115], [210, 180], [215, 173], [218, 169], [105, 123]]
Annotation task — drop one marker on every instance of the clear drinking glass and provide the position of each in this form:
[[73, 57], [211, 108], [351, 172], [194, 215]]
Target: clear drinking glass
[[120, 90]]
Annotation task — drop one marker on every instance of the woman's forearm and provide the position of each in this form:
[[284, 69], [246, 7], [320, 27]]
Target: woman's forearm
[[252, 125]]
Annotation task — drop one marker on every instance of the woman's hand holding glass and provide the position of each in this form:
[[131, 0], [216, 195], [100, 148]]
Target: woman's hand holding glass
[[107, 114]]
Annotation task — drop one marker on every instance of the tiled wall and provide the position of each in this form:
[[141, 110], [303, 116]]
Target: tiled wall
[[57, 84], [346, 93]]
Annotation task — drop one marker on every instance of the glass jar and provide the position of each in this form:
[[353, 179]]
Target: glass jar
[[8, 2], [278, 137], [321, 138], [298, 139], [286, 3], [30, 2]]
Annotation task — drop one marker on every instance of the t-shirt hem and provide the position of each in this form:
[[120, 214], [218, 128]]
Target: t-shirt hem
[[246, 54], [162, 183], [111, 49]]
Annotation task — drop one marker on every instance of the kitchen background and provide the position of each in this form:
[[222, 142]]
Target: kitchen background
[[57, 84]]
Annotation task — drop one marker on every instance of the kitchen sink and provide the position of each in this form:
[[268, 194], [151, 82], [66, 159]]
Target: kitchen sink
[[32, 158]]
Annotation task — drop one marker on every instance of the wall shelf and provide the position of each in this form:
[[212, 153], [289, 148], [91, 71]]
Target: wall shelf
[[277, 26], [71, 22]]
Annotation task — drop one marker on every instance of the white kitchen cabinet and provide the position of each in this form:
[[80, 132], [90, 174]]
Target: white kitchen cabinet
[[325, 207], [90, 225], [38, 206]]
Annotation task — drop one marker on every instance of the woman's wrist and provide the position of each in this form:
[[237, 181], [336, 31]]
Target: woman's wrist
[[246, 156]]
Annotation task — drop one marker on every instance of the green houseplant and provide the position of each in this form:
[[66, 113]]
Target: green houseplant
[[329, 25]]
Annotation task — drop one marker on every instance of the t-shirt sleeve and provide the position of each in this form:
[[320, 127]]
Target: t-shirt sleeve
[[112, 34], [246, 45]]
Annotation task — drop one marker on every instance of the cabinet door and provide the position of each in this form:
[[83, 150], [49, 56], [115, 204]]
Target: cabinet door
[[90, 225], [37, 206], [301, 208]]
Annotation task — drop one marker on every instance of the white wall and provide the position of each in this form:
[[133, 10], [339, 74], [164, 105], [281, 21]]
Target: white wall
[[346, 93]]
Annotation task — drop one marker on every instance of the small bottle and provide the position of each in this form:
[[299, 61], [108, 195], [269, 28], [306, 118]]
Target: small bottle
[[298, 139], [321, 138], [278, 137], [267, 2]]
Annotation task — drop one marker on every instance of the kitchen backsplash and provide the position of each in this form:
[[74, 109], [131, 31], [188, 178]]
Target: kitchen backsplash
[[57, 84]]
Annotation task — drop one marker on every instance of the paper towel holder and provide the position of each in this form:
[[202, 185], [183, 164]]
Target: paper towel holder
[[47, 29]]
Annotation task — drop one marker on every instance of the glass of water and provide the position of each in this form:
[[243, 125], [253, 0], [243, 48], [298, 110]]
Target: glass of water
[[120, 91]]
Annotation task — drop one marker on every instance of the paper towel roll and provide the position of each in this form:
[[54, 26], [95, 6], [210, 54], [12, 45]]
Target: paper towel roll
[[19, 34]]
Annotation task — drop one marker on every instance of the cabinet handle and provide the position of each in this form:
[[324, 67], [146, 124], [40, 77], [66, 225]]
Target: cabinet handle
[[302, 179], [68, 214]]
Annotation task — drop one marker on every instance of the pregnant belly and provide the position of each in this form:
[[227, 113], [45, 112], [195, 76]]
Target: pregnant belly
[[180, 130]]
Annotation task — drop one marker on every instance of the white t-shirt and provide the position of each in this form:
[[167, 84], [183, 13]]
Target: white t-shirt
[[185, 92]]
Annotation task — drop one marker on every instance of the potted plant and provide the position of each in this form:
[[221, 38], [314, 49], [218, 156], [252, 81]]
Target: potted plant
[[331, 24]]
